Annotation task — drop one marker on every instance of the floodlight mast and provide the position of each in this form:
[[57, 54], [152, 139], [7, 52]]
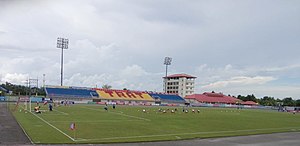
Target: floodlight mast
[[62, 43], [167, 62]]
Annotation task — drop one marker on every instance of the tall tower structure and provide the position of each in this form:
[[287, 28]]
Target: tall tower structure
[[181, 84], [62, 43]]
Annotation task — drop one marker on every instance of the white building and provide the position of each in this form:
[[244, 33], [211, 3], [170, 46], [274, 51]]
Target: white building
[[181, 84]]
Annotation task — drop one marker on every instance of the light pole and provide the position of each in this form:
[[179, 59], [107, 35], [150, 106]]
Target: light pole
[[167, 62], [44, 79], [63, 44]]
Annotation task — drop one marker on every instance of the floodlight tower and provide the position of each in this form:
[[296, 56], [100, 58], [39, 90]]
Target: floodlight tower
[[44, 79], [167, 62], [62, 43]]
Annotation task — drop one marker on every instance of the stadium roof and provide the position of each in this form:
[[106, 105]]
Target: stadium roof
[[180, 75], [2, 89], [249, 103], [213, 98]]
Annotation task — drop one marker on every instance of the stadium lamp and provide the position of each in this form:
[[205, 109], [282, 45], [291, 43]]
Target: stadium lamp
[[62, 43], [167, 62]]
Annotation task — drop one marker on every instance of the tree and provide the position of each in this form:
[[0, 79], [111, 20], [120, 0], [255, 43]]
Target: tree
[[22, 90], [268, 101], [247, 98], [106, 86], [251, 98], [241, 97], [288, 101], [298, 102]]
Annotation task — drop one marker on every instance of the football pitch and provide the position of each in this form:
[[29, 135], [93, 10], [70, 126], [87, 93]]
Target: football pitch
[[130, 124]]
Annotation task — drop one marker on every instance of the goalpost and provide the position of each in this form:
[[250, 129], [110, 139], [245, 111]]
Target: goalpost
[[24, 100]]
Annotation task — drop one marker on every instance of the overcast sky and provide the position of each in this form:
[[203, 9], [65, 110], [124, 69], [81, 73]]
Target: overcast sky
[[231, 46]]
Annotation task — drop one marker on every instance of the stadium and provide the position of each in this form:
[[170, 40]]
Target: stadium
[[147, 98], [84, 115], [150, 73], [81, 115]]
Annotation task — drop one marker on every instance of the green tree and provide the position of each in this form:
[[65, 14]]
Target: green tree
[[22, 90], [288, 101], [298, 102], [247, 98], [106, 86], [251, 98], [243, 98], [268, 101]]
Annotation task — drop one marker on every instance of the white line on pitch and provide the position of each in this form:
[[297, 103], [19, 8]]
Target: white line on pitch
[[96, 121], [122, 114], [24, 129], [54, 127], [61, 112], [55, 114], [161, 135]]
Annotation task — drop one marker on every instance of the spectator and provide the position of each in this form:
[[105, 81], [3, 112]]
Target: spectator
[[50, 107]]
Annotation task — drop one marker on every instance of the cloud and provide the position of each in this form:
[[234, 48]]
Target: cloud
[[210, 74], [240, 81], [2, 32], [89, 81], [86, 57], [260, 91], [15, 78], [133, 71], [283, 68], [132, 77], [12, 64], [135, 77]]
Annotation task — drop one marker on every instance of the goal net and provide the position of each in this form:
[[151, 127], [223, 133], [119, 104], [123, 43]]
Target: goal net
[[24, 103]]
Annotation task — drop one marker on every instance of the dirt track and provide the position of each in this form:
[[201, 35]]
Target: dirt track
[[10, 131]]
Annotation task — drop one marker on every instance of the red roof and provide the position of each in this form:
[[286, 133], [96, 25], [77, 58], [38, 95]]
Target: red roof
[[213, 98], [249, 103], [180, 75]]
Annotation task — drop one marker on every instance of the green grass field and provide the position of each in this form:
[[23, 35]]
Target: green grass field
[[130, 124]]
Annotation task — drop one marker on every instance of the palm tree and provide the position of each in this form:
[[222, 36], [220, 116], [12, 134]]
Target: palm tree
[[106, 86]]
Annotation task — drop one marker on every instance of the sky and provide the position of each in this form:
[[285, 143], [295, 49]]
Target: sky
[[232, 46]]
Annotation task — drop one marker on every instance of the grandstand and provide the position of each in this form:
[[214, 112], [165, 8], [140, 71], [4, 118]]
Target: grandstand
[[212, 98], [63, 92], [124, 97], [162, 98], [2, 89], [137, 97], [109, 96]]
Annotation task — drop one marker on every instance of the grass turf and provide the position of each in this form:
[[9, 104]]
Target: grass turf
[[130, 124]]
